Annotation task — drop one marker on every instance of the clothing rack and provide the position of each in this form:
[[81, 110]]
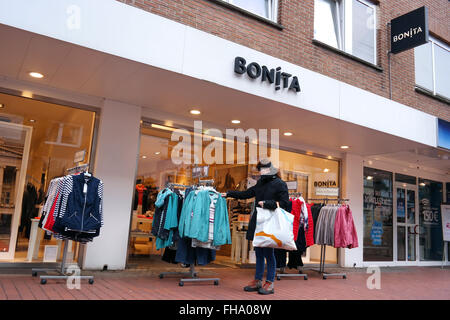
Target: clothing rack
[[193, 275], [321, 270], [206, 182], [62, 269]]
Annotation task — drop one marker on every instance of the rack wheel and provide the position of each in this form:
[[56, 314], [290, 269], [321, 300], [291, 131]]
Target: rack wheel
[[91, 281], [161, 276], [216, 282], [305, 278], [324, 277], [43, 281], [278, 278], [181, 283], [34, 274], [344, 277], [195, 275]]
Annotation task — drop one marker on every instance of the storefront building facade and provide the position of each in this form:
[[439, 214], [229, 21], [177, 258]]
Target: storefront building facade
[[119, 78]]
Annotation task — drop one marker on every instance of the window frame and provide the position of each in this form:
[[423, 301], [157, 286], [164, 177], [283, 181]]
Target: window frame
[[344, 10], [272, 10], [434, 42]]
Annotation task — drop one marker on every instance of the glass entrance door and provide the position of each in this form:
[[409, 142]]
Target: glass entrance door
[[14, 151], [407, 223]]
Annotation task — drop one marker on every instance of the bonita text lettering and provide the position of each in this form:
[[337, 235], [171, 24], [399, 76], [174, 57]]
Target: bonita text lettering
[[254, 71]]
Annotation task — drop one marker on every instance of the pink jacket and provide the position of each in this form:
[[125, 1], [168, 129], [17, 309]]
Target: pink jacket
[[344, 229]]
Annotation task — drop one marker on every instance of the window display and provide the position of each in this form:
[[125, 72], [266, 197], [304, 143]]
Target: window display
[[430, 235], [57, 133], [378, 213]]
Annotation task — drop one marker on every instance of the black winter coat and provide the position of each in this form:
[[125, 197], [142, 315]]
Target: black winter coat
[[270, 189]]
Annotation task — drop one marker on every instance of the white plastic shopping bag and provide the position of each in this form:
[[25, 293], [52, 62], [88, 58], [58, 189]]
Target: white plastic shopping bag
[[274, 229]]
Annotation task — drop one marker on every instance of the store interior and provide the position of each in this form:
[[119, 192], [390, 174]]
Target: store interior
[[303, 173], [58, 132]]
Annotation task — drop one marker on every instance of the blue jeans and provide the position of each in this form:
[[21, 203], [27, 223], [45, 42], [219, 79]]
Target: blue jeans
[[268, 255]]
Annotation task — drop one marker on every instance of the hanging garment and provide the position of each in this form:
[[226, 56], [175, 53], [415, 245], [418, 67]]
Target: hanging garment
[[309, 233], [296, 211], [315, 210], [345, 232], [73, 209], [188, 255]]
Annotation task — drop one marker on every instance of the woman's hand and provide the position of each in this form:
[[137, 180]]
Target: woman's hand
[[224, 194], [261, 204]]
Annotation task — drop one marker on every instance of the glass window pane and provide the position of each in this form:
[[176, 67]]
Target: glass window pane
[[378, 210], [411, 206], [411, 244], [424, 66], [442, 67], [401, 243], [405, 179], [430, 200], [260, 7], [363, 36], [326, 22], [401, 208]]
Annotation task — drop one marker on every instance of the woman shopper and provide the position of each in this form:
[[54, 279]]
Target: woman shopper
[[268, 190]]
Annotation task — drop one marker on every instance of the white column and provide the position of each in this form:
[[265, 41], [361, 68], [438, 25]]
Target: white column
[[115, 164], [353, 189]]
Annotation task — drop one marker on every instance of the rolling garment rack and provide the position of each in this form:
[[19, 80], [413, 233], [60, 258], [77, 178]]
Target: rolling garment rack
[[321, 270], [300, 273], [62, 269], [192, 274]]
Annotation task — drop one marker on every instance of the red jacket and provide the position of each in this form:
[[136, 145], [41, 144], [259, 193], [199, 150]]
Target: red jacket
[[296, 211], [309, 233]]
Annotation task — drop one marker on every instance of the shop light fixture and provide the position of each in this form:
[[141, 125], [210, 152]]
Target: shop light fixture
[[144, 157], [158, 126], [236, 121], [288, 134], [2, 105], [369, 178], [157, 152], [422, 184], [326, 170], [195, 112], [32, 120], [329, 157], [36, 75], [345, 147]]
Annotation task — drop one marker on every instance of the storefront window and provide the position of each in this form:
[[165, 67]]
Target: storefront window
[[56, 133], [315, 178], [430, 200], [378, 213]]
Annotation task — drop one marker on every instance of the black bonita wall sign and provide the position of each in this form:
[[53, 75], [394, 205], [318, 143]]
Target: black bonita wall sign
[[276, 76], [409, 30]]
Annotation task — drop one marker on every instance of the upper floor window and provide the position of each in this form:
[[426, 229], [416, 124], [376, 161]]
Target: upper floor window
[[264, 8], [432, 65], [348, 25]]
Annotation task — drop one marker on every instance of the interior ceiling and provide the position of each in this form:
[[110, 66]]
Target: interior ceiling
[[81, 70]]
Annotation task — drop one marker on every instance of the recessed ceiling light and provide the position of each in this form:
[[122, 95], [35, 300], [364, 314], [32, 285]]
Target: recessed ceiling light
[[196, 112], [326, 170], [422, 184], [236, 121], [288, 134], [32, 120], [36, 75], [369, 177], [345, 147], [2, 105], [330, 157], [144, 157], [157, 152]]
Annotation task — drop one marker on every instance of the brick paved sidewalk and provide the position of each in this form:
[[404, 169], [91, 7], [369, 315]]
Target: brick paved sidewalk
[[396, 283]]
